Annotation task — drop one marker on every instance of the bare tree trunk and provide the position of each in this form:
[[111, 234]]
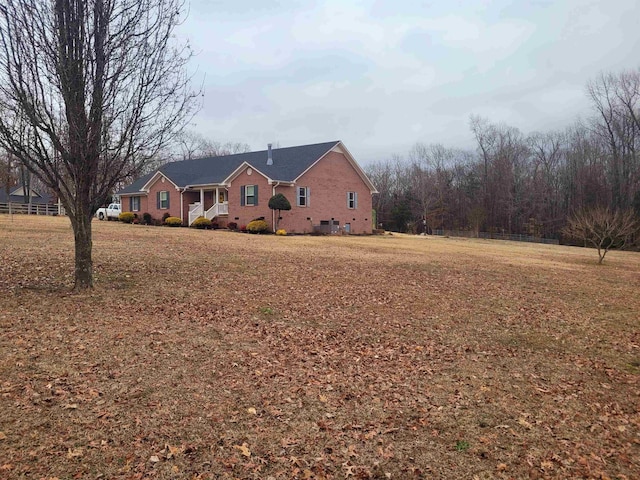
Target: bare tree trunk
[[83, 245]]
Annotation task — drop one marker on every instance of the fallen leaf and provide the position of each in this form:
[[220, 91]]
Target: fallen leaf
[[350, 451], [349, 469], [74, 452], [546, 465], [244, 449], [3, 436], [154, 459], [525, 424], [288, 442], [252, 411], [172, 451]]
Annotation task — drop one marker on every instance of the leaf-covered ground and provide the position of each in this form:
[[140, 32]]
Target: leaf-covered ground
[[211, 354]]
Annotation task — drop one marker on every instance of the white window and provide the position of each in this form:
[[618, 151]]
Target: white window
[[164, 200], [302, 196], [249, 195], [135, 204], [352, 200]]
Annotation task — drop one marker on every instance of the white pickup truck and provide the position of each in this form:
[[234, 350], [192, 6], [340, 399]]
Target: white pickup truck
[[112, 212]]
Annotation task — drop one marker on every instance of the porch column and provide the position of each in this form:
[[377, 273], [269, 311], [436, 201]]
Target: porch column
[[217, 195]]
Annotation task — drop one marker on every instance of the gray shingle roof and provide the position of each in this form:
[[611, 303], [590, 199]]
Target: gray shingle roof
[[40, 199], [288, 164], [137, 185]]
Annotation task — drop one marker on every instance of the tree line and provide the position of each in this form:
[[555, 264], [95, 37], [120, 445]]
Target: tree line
[[519, 183]]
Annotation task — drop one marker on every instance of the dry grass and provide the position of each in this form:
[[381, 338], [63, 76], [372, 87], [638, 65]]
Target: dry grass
[[206, 354]]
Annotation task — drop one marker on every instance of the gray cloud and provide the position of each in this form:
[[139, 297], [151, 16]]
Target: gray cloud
[[383, 75]]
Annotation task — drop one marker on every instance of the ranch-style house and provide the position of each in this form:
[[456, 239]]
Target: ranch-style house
[[327, 189]]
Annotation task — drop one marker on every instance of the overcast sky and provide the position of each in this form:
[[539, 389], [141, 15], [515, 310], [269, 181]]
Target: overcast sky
[[383, 75]]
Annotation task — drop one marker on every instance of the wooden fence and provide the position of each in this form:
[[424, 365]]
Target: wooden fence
[[33, 209], [497, 236]]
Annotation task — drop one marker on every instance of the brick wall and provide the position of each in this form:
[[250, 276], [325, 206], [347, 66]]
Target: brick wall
[[329, 180], [151, 199], [242, 215]]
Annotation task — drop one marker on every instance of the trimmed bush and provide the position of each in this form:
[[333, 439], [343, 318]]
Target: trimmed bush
[[243, 228], [173, 222], [258, 226], [214, 225], [165, 216], [279, 202], [126, 217], [147, 219], [232, 226], [281, 232], [201, 223]]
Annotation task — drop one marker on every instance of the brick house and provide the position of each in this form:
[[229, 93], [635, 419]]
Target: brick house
[[327, 189]]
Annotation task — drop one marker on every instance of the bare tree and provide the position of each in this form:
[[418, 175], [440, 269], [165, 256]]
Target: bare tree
[[380, 174], [545, 192], [90, 91], [195, 145], [602, 228], [431, 174], [8, 176], [617, 102]]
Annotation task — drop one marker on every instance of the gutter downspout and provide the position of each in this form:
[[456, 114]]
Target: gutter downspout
[[273, 212], [182, 205]]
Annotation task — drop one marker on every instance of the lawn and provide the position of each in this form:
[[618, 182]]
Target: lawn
[[212, 354]]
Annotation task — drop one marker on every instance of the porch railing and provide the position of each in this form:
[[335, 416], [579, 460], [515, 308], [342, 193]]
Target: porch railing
[[216, 210], [195, 211]]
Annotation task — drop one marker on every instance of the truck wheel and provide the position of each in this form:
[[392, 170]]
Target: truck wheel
[[101, 216]]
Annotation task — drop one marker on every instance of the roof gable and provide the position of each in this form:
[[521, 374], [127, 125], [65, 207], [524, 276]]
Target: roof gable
[[20, 192], [340, 148], [136, 187], [154, 178], [16, 195], [241, 169]]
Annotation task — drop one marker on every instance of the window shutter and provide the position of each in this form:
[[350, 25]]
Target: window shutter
[[131, 204], [308, 195], [297, 196], [255, 192], [158, 200], [168, 198], [355, 199], [242, 196], [348, 206]]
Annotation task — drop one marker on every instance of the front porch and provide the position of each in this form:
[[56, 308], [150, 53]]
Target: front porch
[[207, 202]]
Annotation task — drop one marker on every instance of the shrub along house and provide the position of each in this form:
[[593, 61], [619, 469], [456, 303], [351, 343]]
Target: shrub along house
[[327, 189]]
